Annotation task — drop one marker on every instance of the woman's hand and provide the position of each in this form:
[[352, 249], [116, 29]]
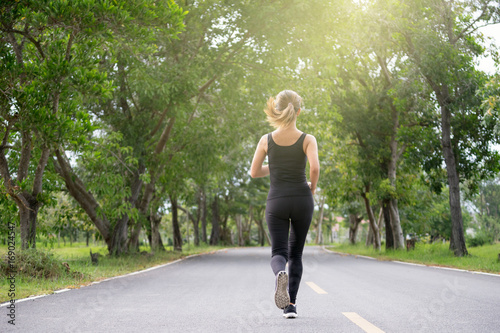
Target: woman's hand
[[312, 190]]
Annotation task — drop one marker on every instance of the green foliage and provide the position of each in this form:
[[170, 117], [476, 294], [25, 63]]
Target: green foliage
[[104, 80], [479, 239], [37, 264]]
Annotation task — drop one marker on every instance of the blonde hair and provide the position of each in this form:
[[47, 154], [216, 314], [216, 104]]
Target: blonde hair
[[282, 112]]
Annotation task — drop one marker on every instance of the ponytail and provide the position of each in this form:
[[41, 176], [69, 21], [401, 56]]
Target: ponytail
[[283, 117]]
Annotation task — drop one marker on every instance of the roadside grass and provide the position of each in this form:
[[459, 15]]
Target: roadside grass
[[82, 271], [482, 258]]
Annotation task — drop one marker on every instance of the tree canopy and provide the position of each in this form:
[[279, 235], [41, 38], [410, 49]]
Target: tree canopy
[[117, 117]]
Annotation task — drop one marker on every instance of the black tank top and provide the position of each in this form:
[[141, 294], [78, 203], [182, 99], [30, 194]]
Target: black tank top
[[287, 168]]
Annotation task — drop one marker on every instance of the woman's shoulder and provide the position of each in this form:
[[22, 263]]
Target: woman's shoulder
[[263, 142], [309, 137]]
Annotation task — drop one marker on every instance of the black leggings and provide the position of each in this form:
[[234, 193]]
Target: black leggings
[[280, 214]]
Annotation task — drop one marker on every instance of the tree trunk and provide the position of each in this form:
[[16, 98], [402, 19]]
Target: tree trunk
[[457, 240], [369, 238], [204, 217], [196, 224], [261, 233], [258, 216], [371, 218], [27, 203], [225, 233], [397, 232], [133, 241], [156, 242], [27, 216], [389, 238], [319, 229], [32, 220], [239, 227], [354, 221], [215, 235], [119, 237], [175, 224]]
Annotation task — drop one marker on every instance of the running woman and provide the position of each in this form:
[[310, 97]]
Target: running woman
[[290, 203]]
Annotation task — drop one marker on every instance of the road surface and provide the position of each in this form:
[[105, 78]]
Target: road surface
[[232, 291]]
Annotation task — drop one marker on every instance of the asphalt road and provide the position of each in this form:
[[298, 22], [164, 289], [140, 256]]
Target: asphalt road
[[232, 291]]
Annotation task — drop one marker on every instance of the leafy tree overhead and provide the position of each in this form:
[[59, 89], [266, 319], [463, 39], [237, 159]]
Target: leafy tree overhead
[[51, 50], [441, 39]]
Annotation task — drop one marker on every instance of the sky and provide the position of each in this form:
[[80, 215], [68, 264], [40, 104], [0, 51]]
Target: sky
[[487, 64]]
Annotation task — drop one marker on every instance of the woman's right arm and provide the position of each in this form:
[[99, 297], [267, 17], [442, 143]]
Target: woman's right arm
[[312, 156]]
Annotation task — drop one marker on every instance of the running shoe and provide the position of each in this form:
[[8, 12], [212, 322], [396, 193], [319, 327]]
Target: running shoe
[[281, 296], [290, 311]]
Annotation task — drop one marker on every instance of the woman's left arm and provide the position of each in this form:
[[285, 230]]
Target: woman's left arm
[[257, 169]]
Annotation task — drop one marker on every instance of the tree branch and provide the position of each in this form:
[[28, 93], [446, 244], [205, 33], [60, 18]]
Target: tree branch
[[164, 136], [116, 156], [4, 170], [191, 217], [360, 140], [160, 122], [40, 168], [80, 194], [401, 150], [385, 71], [24, 161], [29, 37], [70, 43], [464, 30]]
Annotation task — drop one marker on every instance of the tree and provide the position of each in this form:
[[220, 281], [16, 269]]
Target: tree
[[441, 39], [49, 49]]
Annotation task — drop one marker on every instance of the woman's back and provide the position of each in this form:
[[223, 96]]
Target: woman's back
[[287, 163]]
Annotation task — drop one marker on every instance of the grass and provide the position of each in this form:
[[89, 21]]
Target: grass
[[482, 258], [82, 272]]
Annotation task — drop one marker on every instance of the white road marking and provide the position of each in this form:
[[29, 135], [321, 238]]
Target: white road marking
[[315, 287], [366, 257], [61, 291], [414, 264], [364, 324]]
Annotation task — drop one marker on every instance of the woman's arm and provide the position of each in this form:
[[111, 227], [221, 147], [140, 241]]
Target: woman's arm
[[312, 157], [257, 169]]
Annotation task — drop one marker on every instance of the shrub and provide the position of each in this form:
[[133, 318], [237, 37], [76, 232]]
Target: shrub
[[479, 239], [37, 264]]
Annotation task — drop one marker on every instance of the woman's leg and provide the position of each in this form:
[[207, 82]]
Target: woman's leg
[[301, 216], [278, 222]]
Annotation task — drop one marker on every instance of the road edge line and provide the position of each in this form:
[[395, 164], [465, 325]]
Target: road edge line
[[58, 291], [412, 264]]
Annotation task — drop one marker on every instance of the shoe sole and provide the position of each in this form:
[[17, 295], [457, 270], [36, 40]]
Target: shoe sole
[[281, 296], [290, 315]]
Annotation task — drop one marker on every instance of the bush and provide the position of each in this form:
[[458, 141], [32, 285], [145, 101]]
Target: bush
[[479, 239], [37, 264]]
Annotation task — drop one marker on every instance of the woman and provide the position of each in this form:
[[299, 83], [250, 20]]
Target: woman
[[289, 202]]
